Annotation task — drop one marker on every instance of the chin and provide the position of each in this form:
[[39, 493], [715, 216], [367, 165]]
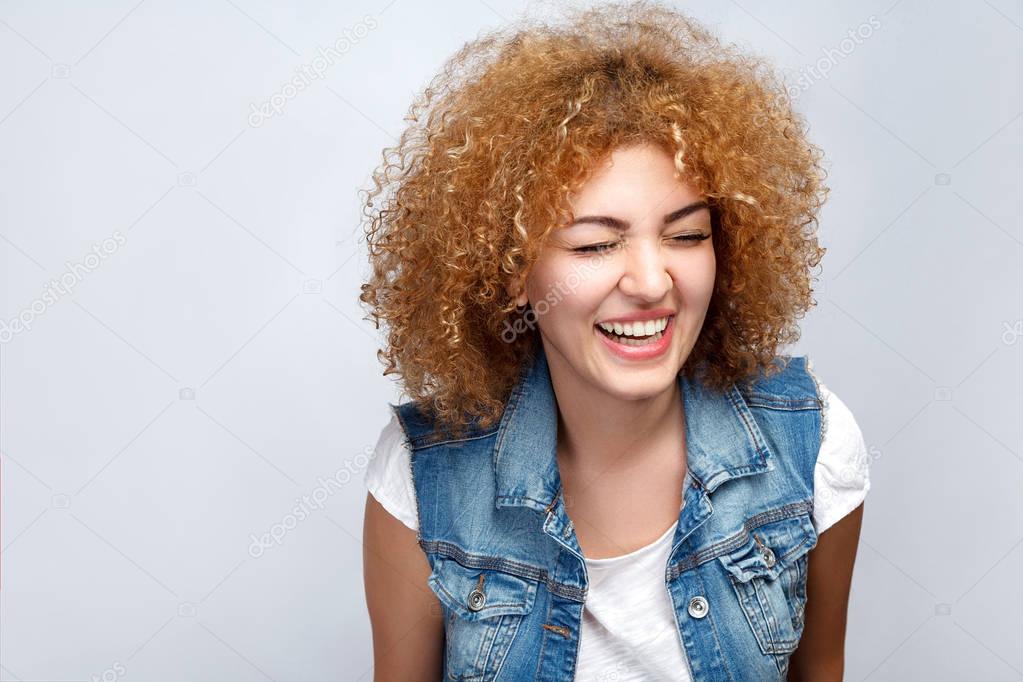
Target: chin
[[624, 393], [636, 383]]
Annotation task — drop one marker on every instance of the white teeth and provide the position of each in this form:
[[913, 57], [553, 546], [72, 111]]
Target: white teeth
[[639, 342], [635, 328]]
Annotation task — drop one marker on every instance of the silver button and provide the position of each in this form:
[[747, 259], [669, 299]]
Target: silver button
[[698, 607], [476, 600], [768, 556]]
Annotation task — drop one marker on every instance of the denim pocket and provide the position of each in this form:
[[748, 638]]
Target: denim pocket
[[483, 609], [768, 572]]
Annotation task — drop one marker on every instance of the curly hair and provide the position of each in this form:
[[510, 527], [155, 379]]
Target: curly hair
[[514, 123]]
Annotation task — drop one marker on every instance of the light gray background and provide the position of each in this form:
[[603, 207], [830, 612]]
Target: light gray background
[[215, 367]]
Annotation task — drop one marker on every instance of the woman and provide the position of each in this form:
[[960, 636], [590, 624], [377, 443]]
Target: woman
[[595, 238]]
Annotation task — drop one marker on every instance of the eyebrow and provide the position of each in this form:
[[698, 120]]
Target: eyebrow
[[623, 225]]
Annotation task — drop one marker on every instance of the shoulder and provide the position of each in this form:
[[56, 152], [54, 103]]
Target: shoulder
[[389, 472], [423, 430], [842, 472], [790, 385]]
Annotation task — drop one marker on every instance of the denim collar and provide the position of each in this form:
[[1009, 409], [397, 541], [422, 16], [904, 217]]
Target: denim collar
[[723, 440]]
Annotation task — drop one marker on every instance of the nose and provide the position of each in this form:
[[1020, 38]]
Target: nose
[[645, 276]]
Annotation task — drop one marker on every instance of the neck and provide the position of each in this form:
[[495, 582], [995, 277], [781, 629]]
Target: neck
[[602, 432]]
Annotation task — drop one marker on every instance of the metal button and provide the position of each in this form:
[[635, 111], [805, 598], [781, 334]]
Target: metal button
[[698, 607], [769, 556], [476, 600]]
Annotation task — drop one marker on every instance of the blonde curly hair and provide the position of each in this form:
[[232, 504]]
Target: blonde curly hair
[[514, 123]]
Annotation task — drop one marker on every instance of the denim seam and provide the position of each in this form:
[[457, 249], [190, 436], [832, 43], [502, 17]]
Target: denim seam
[[422, 443], [750, 429], [458, 555], [544, 634], [732, 542], [714, 631]]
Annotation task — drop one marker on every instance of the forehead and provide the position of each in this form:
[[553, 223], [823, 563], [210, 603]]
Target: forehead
[[639, 176]]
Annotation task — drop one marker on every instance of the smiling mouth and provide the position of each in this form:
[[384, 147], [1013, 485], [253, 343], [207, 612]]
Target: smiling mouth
[[636, 340]]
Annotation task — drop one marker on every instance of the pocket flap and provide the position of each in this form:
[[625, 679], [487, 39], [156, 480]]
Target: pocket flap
[[478, 593], [769, 548]]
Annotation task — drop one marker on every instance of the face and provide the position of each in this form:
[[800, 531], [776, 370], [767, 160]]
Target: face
[[638, 261]]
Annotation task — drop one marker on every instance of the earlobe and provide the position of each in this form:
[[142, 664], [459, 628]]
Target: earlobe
[[521, 299]]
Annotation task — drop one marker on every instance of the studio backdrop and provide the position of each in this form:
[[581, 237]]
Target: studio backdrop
[[190, 389]]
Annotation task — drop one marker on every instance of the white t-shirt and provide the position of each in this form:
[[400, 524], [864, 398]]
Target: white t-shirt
[[628, 626]]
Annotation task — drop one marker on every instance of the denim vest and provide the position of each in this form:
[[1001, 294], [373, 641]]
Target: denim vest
[[508, 569]]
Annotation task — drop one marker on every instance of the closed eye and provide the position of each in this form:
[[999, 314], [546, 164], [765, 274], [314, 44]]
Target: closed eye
[[691, 237], [600, 248]]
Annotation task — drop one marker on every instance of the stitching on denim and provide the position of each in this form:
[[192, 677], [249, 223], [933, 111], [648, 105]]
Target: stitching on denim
[[763, 618], [543, 639], [752, 604], [822, 431], [714, 630], [509, 632], [547, 509], [524, 498], [766, 401], [487, 647], [512, 403], [407, 444], [423, 442], [448, 550], [560, 629], [736, 540], [469, 560], [749, 427], [479, 661]]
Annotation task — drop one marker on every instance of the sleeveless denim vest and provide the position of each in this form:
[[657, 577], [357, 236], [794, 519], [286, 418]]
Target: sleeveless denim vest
[[509, 572]]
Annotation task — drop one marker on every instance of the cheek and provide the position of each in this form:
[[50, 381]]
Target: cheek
[[695, 276], [566, 289]]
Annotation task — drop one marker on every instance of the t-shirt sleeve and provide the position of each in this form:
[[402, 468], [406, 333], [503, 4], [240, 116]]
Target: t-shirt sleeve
[[842, 473], [389, 474]]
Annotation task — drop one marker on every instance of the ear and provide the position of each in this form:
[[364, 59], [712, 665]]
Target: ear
[[521, 298]]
